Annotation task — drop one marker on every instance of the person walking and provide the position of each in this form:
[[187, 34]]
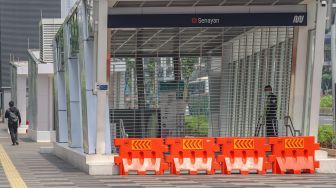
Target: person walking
[[271, 112], [14, 120]]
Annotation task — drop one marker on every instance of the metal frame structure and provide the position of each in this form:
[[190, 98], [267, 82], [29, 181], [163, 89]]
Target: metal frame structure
[[84, 47]]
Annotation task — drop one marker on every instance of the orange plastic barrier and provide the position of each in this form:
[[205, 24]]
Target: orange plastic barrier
[[243, 154], [293, 154], [141, 155], [192, 154]]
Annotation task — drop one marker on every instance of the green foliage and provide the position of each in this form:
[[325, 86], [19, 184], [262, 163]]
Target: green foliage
[[151, 80], [196, 125], [326, 79], [188, 65], [325, 136], [153, 129], [326, 101], [151, 65], [198, 105]]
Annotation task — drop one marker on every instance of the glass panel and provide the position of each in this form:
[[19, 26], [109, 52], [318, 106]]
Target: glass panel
[[89, 16], [60, 51], [74, 34]]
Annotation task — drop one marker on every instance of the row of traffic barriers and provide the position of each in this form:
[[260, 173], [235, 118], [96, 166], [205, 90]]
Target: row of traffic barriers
[[210, 155]]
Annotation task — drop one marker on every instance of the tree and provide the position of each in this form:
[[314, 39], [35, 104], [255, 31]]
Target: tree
[[326, 80], [188, 67], [152, 81], [130, 68]]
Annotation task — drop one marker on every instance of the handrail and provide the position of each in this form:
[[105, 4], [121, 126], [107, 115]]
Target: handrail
[[289, 125], [123, 133], [259, 126]]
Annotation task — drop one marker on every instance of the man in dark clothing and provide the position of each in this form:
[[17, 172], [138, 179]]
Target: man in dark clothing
[[14, 120], [271, 112]]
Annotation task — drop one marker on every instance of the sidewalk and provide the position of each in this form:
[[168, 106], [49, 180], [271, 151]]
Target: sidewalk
[[46, 170], [42, 170]]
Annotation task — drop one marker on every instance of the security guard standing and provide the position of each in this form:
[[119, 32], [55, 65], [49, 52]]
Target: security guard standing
[[271, 112]]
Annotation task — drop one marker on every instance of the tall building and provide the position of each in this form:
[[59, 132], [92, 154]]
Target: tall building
[[19, 30], [48, 30]]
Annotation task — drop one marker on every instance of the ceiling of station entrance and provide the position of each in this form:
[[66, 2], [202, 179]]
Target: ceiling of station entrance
[[167, 41], [149, 42]]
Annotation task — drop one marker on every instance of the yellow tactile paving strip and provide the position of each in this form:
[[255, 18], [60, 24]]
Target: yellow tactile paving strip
[[13, 176]]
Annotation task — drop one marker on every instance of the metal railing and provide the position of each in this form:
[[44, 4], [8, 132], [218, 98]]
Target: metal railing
[[289, 125], [123, 133], [259, 126]]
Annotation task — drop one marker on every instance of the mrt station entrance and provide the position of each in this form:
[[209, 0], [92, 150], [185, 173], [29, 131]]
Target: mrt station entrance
[[203, 77], [160, 72]]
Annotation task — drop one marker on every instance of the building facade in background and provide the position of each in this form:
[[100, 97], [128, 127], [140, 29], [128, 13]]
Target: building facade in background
[[19, 30]]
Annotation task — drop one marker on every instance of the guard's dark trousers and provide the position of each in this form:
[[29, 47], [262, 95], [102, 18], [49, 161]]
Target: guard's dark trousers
[[13, 132], [271, 126]]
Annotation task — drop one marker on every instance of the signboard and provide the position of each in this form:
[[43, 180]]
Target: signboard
[[102, 87], [207, 20]]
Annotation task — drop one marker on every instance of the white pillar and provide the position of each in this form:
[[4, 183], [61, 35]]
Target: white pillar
[[102, 121], [317, 69], [298, 77], [307, 70], [333, 65], [42, 103], [21, 97]]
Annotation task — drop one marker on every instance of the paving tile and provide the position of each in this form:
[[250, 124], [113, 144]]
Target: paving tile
[[48, 171], [3, 180]]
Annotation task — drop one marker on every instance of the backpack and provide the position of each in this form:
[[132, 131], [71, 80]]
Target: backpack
[[13, 117]]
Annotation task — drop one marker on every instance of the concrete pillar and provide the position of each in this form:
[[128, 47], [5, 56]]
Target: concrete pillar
[[299, 71], [103, 143], [321, 16], [21, 97], [42, 123], [307, 63], [333, 65], [298, 77]]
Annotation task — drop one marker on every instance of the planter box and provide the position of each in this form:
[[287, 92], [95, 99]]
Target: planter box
[[331, 152]]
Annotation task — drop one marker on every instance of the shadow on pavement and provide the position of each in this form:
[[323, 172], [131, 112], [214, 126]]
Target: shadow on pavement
[[59, 163], [25, 139]]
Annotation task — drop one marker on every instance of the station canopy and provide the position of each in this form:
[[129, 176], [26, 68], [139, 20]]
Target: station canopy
[[165, 41], [189, 3]]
